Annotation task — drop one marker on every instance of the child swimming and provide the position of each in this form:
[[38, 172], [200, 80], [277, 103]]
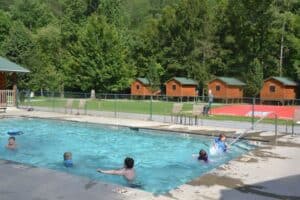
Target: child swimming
[[203, 155], [127, 171], [220, 144], [11, 143], [68, 162]]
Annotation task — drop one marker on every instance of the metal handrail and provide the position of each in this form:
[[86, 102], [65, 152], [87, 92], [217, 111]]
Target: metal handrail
[[254, 124]]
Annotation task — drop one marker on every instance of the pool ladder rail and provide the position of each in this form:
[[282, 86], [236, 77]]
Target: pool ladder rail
[[247, 131]]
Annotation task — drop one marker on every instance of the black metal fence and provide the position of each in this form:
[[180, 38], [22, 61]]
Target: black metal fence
[[126, 105]]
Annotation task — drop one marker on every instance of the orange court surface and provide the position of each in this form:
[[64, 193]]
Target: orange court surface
[[283, 112]]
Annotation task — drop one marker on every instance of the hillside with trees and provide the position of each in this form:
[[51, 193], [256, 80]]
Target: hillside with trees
[[79, 45]]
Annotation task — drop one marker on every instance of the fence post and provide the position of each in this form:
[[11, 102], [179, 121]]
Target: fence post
[[276, 127], [86, 102], [150, 118], [115, 105], [17, 98], [53, 102], [252, 115]]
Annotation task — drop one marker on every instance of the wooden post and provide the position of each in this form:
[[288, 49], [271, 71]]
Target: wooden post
[[14, 79]]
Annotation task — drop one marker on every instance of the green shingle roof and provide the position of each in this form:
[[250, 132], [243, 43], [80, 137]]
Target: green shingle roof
[[184, 81], [284, 80], [145, 81], [231, 81], [8, 66]]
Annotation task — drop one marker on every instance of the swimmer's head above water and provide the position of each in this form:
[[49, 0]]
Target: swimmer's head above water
[[203, 155], [222, 137], [128, 163]]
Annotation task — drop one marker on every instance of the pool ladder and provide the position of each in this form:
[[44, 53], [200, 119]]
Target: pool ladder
[[246, 132]]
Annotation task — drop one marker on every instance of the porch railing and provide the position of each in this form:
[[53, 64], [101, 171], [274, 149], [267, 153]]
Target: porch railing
[[7, 98]]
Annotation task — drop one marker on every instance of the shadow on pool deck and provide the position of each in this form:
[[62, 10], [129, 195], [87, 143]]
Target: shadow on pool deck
[[24, 182], [286, 188]]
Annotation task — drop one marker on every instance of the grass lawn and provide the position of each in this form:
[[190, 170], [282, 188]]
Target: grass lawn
[[135, 106], [131, 106]]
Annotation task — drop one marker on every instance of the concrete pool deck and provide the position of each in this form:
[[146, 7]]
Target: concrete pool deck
[[269, 172]]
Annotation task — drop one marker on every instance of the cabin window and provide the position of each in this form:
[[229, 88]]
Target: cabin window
[[137, 87], [272, 88], [174, 87], [218, 88]]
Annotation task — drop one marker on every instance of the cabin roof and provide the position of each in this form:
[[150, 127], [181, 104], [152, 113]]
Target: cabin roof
[[283, 80], [145, 81], [184, 81], [230, 81]]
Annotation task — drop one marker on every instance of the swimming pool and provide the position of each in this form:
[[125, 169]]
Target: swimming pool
[[162, 161]]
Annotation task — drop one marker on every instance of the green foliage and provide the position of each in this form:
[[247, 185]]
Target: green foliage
[[104, 44], [4, 26], [154, 72], [33, 13], [99, 58], [254, 78]]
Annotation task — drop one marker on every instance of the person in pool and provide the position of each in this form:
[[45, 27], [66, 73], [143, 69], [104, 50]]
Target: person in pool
[[11, 143], [203, 155], [220, 143], [127, 171], [68, 162]]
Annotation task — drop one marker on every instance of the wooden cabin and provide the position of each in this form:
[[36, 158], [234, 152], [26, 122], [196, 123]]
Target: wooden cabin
[[141, 87], [226, 88], [181, 87], [278, 89], [9, 70]]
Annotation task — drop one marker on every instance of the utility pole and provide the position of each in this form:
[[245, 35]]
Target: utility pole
[[281, 49]]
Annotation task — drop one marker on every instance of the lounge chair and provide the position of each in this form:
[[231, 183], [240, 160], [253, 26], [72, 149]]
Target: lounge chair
[[176, 111], [195, 113], [296, 119], [69, 105], [81, 106]]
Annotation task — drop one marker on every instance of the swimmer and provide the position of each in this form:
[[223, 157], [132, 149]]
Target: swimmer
[[11, 143], [203, 155], [127, 171], [220, 143], [68, 162]]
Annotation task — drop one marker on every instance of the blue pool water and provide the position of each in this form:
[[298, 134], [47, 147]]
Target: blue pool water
[[163, 161]]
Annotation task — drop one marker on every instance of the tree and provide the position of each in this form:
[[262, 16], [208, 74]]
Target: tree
[[153, 74], [247, 35], [98, 58], [254, 78], [32, 13], [18, 47], [5, 24], [48, 48]]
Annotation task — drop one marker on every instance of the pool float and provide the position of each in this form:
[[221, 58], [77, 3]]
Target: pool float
[[15, 132]]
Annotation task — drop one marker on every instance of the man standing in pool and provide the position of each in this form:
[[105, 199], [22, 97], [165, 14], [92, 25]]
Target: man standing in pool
[[11, 143], [127, 171]]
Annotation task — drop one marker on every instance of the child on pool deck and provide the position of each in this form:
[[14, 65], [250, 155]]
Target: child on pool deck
[[68, 162], [220, 143], [11, 143], [127, 171]]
